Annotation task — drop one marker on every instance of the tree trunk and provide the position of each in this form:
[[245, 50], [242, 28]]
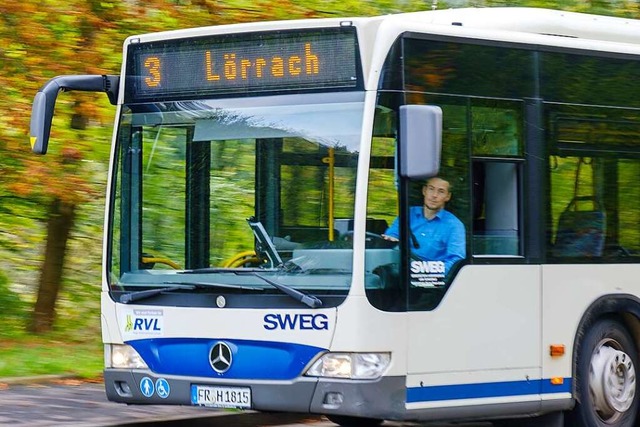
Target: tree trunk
[[59, 224]]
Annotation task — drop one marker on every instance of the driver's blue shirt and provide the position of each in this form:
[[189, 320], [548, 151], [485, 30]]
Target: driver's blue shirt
[[439, 239]]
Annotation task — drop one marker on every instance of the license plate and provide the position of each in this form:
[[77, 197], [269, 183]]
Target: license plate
[[221, 397]]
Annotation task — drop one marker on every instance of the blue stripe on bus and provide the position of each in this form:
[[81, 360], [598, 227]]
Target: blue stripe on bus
[[484, 390], [259, 360]]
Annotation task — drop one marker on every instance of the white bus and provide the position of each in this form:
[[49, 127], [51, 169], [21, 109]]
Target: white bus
[[255, 167]]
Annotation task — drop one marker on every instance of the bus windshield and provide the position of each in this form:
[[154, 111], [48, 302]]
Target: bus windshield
[[231, 192]]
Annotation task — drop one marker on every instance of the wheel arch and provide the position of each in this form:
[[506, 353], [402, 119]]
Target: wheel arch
[[623, 307]]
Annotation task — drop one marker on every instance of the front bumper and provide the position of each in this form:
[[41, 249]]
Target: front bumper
[[382, 399]]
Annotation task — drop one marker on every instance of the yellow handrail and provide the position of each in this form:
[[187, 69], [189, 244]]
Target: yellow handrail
[[241, 258], [149, 260], [331, 161]]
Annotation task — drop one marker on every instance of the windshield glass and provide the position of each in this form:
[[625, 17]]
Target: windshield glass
[[228, 193]]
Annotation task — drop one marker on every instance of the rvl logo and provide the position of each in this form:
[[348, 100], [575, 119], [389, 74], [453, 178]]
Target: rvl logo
[[143, 322]]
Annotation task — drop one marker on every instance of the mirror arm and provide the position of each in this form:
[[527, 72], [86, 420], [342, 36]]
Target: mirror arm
[[45, 100]]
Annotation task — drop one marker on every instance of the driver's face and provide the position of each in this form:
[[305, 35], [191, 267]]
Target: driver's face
[[436, 194]]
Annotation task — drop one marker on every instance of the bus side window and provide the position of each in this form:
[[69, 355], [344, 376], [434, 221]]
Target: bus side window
[[496, 219]]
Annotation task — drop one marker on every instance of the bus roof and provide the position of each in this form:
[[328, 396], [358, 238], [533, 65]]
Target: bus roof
[[535, 21]]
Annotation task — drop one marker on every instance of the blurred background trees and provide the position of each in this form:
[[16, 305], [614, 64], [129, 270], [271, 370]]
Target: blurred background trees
[[51, 207]]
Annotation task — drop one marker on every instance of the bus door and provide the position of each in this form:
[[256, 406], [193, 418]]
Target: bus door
[[474, 333]]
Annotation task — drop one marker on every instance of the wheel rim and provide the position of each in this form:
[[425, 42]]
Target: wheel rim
[[612, 381]]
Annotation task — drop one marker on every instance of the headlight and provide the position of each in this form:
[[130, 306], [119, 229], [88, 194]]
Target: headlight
[[123, 356], [357, 366]]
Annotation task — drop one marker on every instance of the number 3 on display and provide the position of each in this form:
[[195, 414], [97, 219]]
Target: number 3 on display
[[152, 64]]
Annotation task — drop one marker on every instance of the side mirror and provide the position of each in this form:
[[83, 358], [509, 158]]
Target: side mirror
[[420, 141], [45, 101]]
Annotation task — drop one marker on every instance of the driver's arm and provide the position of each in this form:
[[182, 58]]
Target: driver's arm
[[392, 234]]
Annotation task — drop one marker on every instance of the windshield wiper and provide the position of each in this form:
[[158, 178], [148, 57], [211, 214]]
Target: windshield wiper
[[204, 285], [310, 300], [177, 286], [140, 295]]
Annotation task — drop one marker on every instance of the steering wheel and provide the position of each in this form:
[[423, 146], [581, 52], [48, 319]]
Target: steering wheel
[[348, 235], [372, 240]]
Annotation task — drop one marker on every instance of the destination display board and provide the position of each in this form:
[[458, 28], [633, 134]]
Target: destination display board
[[243, 63]]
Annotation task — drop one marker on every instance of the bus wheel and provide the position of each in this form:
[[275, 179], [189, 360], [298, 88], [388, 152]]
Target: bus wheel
[[345, 421], [606, 377]]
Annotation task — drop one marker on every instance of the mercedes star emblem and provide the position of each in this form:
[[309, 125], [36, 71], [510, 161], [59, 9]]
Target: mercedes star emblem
[[220, 357]]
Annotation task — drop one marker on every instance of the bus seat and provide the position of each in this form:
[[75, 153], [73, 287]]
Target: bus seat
[[581, 233]]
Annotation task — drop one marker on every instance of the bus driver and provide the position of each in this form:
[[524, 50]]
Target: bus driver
[[436, 234]]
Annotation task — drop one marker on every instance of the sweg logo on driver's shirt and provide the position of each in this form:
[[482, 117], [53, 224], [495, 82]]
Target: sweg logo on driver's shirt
[[296, 321]]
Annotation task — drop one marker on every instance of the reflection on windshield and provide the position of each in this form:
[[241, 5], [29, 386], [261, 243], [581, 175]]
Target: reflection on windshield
[[286, 122], [194, 178], [232, 120]]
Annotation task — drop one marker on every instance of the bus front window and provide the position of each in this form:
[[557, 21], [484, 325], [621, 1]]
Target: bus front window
[[220, 187]]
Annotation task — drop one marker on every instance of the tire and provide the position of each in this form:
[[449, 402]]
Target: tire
[[605, 378], [345, 421]]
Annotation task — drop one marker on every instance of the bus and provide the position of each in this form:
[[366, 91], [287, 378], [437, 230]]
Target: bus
[[255, 167]]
